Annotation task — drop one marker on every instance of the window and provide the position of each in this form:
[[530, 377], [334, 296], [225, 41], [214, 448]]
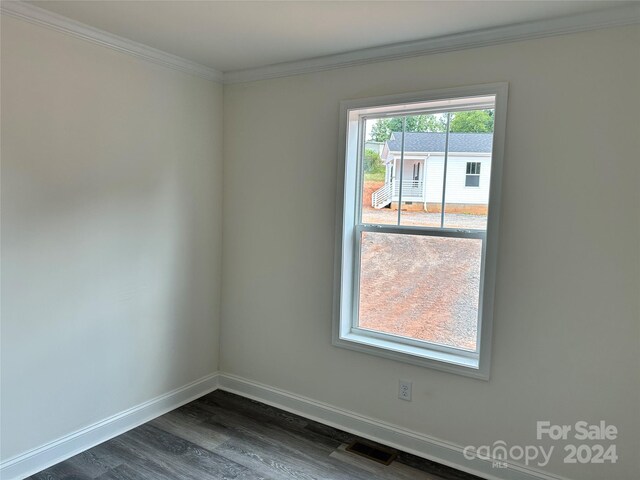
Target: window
[[416, 251], [473, 175]]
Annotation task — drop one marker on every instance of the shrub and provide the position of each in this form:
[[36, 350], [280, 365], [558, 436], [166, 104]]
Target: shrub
[[372, 162]]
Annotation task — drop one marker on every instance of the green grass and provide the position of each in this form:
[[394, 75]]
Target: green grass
[[374, 176]]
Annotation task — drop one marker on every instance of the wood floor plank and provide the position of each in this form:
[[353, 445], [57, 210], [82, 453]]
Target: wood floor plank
[[294, 439], [284, 448], [139, 471], [442, 471], [264, 463], [61, 471], [222, 436], [182, 458], [290, 428], [291, 447], [395, 471], [284, 461], [265, 414], [185, 426], [134, 461]]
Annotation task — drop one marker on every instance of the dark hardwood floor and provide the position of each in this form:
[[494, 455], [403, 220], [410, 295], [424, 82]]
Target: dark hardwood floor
[[224, 436]]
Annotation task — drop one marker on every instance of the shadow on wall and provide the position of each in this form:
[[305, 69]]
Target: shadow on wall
[[104, 280]]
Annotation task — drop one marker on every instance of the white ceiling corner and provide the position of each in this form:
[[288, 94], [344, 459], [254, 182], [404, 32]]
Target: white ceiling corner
[[258, 40], [34, 14]]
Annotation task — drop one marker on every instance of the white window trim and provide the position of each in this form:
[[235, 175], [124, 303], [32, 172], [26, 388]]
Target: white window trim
[[344, 334]]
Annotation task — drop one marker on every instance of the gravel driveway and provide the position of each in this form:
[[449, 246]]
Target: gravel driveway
[[386, 216], [421, 287]]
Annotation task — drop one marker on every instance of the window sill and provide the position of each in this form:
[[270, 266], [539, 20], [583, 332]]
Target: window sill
[[460, 364]]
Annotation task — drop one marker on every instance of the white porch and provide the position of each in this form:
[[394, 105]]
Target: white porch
[[413, 184], [412, 191]]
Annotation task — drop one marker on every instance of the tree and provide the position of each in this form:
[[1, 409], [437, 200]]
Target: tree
[[372, 162], [383, 128], [474, 121]]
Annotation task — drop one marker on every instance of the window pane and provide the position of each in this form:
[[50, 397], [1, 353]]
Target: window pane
[[421, 287], [472, 181], [469, 169], [422, 201], [379, 170], [421, 179]]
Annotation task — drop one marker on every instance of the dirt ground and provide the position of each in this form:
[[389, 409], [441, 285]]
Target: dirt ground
[[367, 191], [434, 300]]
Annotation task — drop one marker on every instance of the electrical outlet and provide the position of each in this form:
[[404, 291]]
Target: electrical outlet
[[404, 390]]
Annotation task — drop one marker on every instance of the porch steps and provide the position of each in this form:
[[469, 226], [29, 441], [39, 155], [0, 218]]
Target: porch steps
[[382, 197]]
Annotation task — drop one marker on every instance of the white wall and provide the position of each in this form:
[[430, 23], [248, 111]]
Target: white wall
[[111, 218], [566, 329], [456, 191]]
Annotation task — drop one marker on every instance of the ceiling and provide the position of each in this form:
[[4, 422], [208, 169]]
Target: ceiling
[[230, 36]]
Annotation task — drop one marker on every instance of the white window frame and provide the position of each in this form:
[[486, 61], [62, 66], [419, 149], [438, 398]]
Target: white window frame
[[346, 334]]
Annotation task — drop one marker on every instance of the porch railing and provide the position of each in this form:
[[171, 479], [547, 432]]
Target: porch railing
[[390, 192]]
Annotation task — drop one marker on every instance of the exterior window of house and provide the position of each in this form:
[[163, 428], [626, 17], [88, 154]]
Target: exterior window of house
[[416, 252], [473, 175]]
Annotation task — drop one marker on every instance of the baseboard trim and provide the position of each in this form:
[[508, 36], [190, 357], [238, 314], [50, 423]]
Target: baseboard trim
[[419, 444], [33, 461], [392, 435]]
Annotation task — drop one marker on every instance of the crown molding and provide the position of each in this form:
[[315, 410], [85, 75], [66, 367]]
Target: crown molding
[[610, 17], [40, 16]]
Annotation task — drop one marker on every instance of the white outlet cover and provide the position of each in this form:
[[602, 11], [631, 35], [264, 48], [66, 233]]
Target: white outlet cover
[[404, 390]]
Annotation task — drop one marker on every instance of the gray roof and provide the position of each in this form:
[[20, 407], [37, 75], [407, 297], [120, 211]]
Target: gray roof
[[434, 142]]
